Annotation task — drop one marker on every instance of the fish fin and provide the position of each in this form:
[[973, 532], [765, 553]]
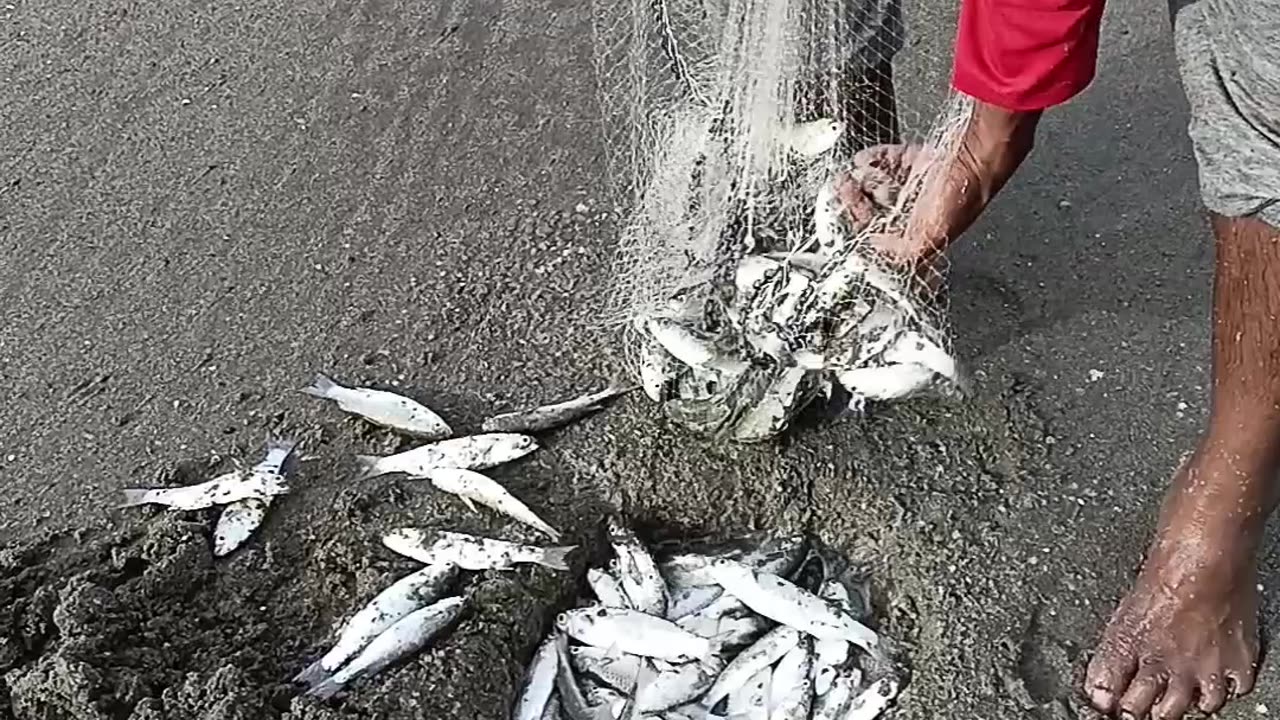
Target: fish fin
[[321, 386], [556, 557], [467, 501], [367, 466], [549, 531], [134, 497], [325, 690], [312, 675]]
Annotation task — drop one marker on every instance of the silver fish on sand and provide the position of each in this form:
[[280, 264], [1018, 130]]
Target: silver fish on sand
[[472, 487], [637, 571], [539, 682], [873, 701], [401, 598], [617, 669], [830, 652], [572, 701], [382, 407], [474, 452], [791, 687], [549, 417], [782, 601], [408, 635], [239, 520], [470, 552], [632, 632], [761, 655], [608, 590], [225, 489]]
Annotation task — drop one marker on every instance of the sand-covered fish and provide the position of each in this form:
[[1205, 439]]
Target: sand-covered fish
[[607, 588], [764, 653], [616, 669], [408, 635], [678, 685], [238, 520], [785, 602], [400, 599], [657, 369], [834, 703], [751, 701], [873, 701], [693, 349], [470, 552], [539, 682], [632, 632], [382, 407], [474, 452], [471, 486], [637, 570], [828, 653], [549, 417], [791, 686], [222, 490], [572, 701], [689, 599]]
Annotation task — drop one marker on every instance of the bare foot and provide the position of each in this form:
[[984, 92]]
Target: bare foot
[[1186, 635]]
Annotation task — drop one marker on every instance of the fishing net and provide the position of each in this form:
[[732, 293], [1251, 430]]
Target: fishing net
[[744, 288]]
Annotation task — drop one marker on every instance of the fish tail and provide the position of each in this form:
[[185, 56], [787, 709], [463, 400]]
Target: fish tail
[[367, 466], [556, 558], [313, 675], [325, 690], [134, 497], [322, 386]]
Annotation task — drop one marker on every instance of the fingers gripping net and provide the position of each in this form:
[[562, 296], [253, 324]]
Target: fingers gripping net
[[745, 287]]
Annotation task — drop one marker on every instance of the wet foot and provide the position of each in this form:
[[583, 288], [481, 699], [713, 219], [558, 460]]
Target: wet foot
[[1186, 635]]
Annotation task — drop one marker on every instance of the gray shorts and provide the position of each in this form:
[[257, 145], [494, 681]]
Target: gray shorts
[[1229, 59]]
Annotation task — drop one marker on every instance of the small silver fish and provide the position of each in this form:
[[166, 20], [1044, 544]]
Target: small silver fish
[[549, 417], [573, 703], [657, 369], [690, 599], [470, 552], [223, 490], [751, 701], [637, 570], [619, 670], [471, 486], [408, 635], [553, 711], [832, 704], [401, 598], [769, 415], [539, 682], [238, 520], [474, 452], [813, 138], [692, 349], [632, 632], [782, 601], [607, 588], [791, 687], [873, 701], [830, 652], [887, 382], [381, 407], [760, 656], [678, 685]]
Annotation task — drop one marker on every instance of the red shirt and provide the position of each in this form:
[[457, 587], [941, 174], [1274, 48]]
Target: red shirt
[[1026, 54]]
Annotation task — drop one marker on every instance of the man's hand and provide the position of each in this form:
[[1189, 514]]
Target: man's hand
[[954, 191]]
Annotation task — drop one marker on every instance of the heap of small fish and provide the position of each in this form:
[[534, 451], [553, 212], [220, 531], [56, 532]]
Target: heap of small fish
[[794, 310], [449, 463], [763, 628], [413, 611]]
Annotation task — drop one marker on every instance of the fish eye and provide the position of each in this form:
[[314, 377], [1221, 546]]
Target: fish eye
[[601, 612]]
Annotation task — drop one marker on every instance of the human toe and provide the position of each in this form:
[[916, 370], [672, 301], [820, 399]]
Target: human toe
[[1176, 699], [1147, 687], [1213, 693], [1109, 672]]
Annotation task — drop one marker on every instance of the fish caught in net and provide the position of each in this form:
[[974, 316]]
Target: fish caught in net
[[744, 286]]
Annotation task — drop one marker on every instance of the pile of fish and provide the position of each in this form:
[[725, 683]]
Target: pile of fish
[[450, 464], [760, 628], [793, 309], [413, 611]]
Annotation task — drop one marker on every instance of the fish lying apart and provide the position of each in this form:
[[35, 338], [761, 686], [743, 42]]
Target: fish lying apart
[[411, 612], [245, 494], [762, 629], [549, 417]]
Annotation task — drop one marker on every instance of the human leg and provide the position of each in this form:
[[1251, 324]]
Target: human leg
[[1186, 634]]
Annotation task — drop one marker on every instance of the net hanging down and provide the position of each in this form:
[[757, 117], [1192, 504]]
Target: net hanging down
[[745, 289]]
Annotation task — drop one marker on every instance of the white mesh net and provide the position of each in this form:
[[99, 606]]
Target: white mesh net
[[745, 287]]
